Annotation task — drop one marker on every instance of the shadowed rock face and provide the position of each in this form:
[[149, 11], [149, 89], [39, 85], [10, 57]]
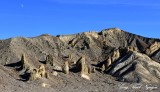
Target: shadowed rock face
[[126, 56]]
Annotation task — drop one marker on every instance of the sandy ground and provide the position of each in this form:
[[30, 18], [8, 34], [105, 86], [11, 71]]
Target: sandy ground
[[70, 83]]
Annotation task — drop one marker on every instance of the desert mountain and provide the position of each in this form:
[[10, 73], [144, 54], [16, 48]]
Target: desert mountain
[[110, 54]]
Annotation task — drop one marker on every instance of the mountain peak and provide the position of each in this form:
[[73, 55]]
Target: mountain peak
[[113, 30]]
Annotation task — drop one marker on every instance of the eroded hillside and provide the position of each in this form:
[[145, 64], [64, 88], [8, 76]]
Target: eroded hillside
[[111, 56]]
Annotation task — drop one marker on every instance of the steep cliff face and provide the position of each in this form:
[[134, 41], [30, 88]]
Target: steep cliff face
[[126, 56]]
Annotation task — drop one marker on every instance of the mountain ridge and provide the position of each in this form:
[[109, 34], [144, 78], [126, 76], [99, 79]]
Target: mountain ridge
[[112, 52]]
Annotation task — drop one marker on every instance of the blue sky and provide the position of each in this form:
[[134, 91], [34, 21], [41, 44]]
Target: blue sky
[[35, 17]]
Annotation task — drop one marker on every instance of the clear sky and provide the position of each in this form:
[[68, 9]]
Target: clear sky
[[35, 17]]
